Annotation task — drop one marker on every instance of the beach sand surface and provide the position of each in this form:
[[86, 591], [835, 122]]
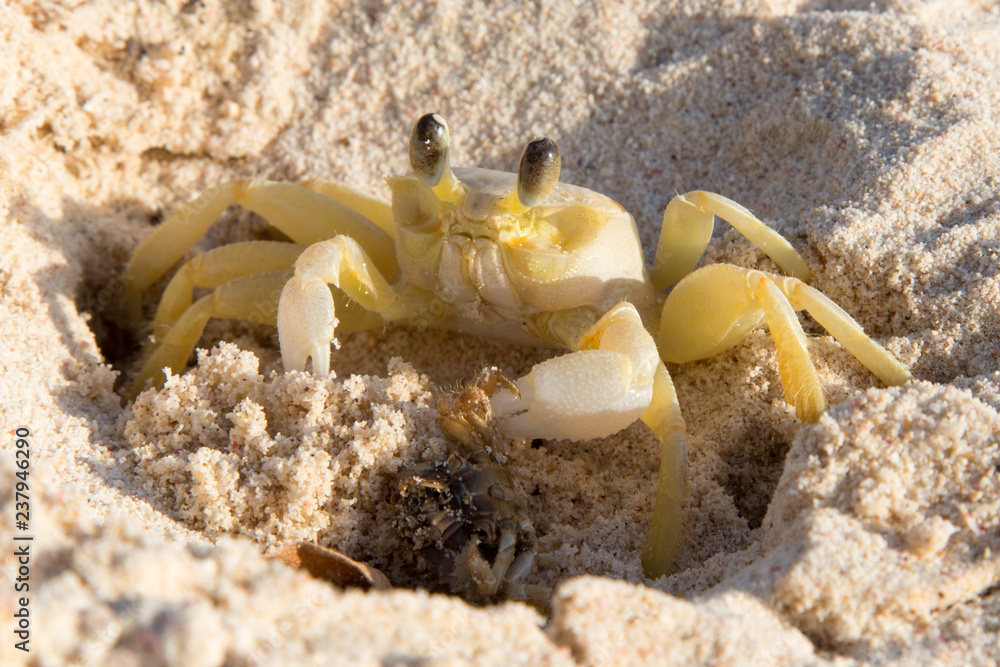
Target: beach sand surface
[[864, 132]]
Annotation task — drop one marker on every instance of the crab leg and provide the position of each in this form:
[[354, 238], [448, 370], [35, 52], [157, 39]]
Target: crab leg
[[716, 306], [306, 309], [844, 329], [304, 215], [663, 416], [489, 579], [687, 228], [482, 574], [252, 298], [374, 209], [614, 378], [217, 267]]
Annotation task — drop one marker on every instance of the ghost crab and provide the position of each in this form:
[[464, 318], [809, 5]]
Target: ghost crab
[[520, 256], [459, 511]]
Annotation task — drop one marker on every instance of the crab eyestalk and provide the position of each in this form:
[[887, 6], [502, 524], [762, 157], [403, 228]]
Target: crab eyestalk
[[537, 175], [430, 142]]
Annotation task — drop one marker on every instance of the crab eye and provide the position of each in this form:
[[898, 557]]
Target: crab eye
[[538, 171], [429, 144]]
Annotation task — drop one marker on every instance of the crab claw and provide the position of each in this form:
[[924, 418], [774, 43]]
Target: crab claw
[[592, 393], [306, 319], [306, 323]]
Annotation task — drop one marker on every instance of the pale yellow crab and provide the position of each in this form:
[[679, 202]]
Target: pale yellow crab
[[519, 256]]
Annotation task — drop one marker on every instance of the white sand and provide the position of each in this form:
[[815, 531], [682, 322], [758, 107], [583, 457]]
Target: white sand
[[866, 133]]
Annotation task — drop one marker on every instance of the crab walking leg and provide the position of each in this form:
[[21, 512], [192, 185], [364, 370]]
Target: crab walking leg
[[223, 264], [306, 309], [844, 329], [489, 579], [615, 378], [713, 308], [376, 210], [687, 228], [663, 416], [252, 298], [591, 393], [303, 215], [217, 267]]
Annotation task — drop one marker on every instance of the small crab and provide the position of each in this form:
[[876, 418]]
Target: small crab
[[517, 256], [464, 515]]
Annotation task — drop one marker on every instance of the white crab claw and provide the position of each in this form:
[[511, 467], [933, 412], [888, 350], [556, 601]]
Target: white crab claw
[[587, 394], [306, 323]]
